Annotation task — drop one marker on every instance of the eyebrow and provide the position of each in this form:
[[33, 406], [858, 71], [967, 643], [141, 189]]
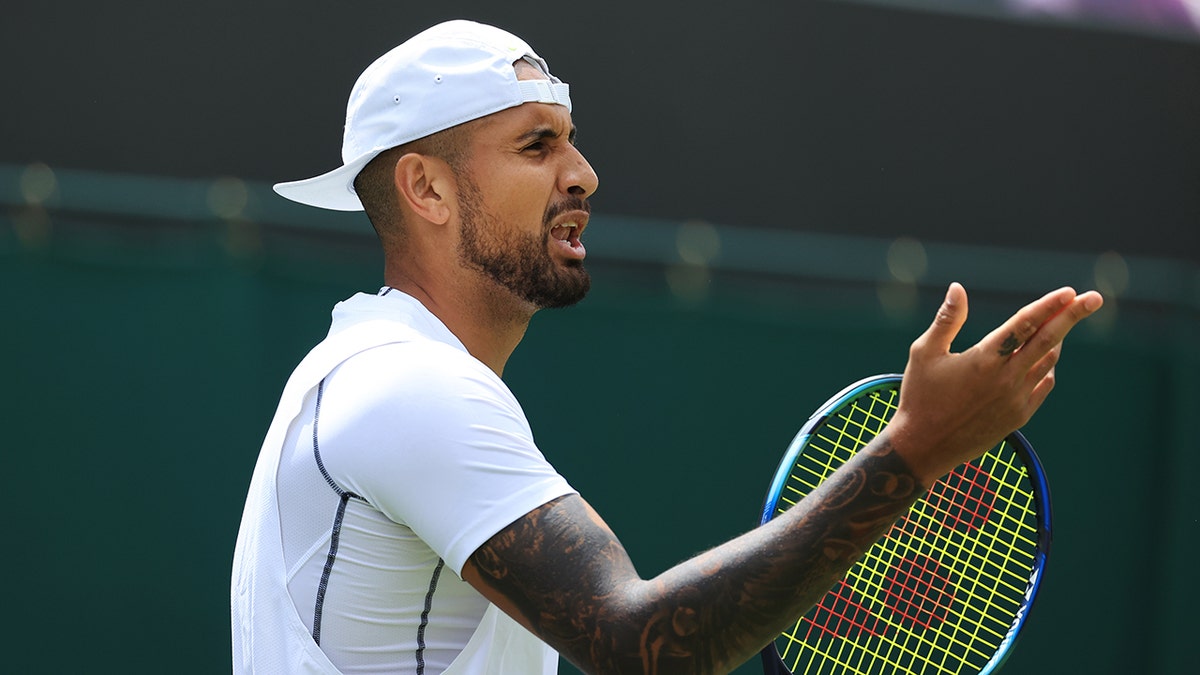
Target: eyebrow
[[545, 132]]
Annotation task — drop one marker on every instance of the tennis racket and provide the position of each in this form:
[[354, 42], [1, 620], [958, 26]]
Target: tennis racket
[[949, 587]]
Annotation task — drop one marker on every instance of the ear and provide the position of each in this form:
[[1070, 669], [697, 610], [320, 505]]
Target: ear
[[425, 184]]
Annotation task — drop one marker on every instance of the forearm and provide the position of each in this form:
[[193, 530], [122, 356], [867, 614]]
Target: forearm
[[707, 614]]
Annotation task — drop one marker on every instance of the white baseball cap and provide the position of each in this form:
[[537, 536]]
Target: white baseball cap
[[452, 73]]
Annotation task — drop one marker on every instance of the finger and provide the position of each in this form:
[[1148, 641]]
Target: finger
[[947, 322], [1043, 375], [1044, 367], [1014, 333], [1041, 380], [1051, 333]]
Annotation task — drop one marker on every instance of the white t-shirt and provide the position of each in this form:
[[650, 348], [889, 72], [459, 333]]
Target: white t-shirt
[[400, 455]]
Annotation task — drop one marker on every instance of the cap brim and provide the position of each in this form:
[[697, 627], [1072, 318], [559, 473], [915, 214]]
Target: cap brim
[[333, 190]]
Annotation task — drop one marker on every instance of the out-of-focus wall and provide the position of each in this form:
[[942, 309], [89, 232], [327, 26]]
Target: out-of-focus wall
[[143, 357], [816, 116]]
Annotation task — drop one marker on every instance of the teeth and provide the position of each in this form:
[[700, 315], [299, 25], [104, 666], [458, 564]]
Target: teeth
[[562, 232]]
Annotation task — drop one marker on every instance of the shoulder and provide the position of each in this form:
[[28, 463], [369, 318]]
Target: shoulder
[[426, 364], [419, 380]]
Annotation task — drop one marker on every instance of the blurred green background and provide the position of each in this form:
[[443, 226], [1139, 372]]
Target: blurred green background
[[786, 191], [145, 353]]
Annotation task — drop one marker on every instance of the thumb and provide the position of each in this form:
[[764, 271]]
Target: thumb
[[948, 321]]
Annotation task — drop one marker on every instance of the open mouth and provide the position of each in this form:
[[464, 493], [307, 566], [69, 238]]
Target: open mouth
[[567, 233]]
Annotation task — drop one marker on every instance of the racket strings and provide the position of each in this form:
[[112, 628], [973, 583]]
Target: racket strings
[[938, 601], [938, 592]]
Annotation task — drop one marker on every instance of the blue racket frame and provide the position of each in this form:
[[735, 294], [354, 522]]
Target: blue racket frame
[[771, 660]]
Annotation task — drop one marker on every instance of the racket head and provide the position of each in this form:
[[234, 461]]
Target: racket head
[[950, 586]]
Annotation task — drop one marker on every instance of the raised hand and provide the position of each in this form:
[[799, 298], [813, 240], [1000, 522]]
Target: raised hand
[[954, 406]]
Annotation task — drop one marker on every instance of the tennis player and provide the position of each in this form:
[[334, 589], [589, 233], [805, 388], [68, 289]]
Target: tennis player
[[401, 518]]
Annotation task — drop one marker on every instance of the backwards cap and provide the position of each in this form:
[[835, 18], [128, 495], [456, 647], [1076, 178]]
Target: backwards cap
[[451, 73]]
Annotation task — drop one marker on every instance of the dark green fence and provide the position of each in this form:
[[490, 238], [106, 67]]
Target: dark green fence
[[149, 327]]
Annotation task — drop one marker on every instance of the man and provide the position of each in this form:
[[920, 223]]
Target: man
[[401, 518]]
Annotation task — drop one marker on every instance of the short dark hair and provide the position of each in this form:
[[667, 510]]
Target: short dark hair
[[374, 184]]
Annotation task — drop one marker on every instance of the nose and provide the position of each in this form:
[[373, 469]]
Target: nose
[[578, 177]]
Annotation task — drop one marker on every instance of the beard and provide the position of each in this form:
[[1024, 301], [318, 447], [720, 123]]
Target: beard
[[517, 261]]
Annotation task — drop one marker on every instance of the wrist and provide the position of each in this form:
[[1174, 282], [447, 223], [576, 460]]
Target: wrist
[[917, 450]]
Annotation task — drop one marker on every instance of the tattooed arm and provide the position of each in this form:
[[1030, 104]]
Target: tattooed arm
[[562, 572]]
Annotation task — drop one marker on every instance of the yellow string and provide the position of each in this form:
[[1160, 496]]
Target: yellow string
[[987, 569]]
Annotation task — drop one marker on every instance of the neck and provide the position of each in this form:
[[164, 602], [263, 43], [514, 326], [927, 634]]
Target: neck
[[484, 317]]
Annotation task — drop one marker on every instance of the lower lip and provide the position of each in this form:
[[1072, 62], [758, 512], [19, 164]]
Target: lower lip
[[571, 250]]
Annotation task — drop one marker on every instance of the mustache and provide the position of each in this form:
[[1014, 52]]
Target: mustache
[[570, 203]]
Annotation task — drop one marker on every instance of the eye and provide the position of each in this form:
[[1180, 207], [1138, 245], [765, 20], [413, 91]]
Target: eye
[[536, 146]]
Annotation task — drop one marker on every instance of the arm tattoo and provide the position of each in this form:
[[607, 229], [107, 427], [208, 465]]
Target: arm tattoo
[[566, 574]]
